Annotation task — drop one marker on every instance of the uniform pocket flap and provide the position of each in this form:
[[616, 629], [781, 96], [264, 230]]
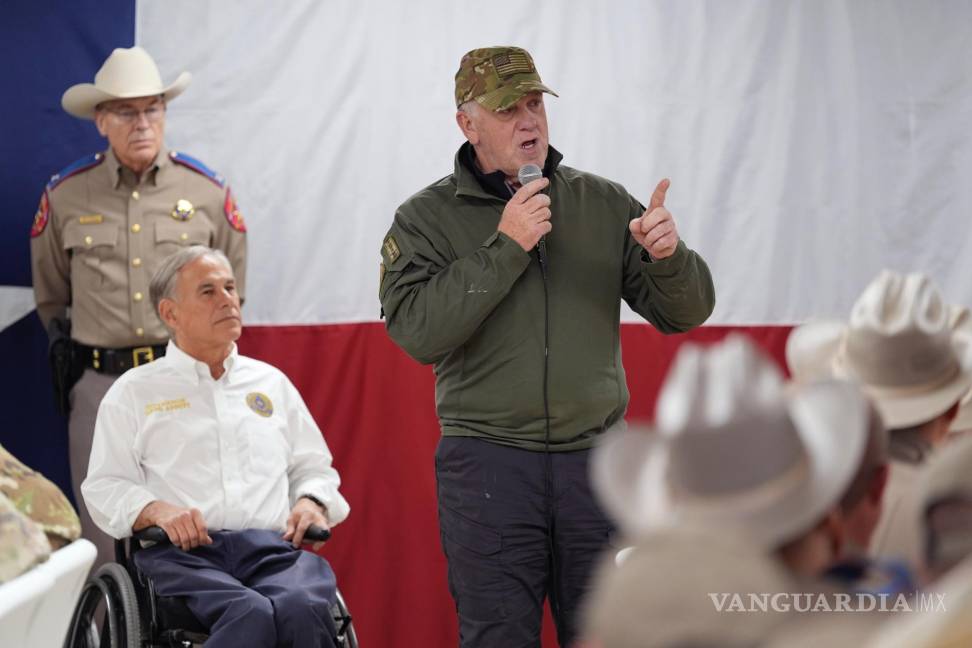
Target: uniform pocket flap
[[180, 232], [90, 236]]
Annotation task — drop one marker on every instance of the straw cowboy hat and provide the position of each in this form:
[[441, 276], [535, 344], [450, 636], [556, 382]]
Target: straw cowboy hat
[[126, 74], [898, 345], [733, 450], [663, 596]]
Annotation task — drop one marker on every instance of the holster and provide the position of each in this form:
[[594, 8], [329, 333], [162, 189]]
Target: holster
[[65, 372]]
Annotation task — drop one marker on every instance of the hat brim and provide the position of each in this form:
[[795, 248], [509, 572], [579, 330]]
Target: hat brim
[[504, 97], [905, 411], [813, 351], [80, 100], [628, 472]]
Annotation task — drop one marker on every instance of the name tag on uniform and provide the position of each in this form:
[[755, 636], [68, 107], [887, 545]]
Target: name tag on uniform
[[166, 406], [92, 219]]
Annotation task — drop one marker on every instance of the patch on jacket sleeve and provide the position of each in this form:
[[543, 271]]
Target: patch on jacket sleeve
[[390, 249], [41, 217], [192, 163], [233, 215]]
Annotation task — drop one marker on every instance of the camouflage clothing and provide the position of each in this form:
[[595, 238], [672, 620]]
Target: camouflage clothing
[[39, 499], [22, 543], [497, 77]]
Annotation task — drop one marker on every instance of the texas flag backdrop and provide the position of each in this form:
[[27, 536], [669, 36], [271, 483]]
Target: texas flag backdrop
[[809, 145]]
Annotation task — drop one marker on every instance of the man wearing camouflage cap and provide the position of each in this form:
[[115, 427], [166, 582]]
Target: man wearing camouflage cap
[[104, 225], [514, 293]]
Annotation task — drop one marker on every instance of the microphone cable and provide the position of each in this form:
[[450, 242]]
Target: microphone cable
[[528, 173]]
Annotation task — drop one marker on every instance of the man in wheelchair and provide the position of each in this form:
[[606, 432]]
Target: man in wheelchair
[[220, 451]]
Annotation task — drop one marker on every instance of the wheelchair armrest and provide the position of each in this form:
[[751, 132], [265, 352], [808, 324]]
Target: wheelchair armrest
[[151, 534], [314, 533]]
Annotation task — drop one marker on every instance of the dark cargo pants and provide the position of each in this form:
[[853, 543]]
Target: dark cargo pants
[[510, 540]]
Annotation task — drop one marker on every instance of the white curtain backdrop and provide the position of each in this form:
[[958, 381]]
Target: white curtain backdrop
[[810, 143]]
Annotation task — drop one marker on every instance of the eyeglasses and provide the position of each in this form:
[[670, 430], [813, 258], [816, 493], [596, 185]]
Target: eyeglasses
[[153, 114]]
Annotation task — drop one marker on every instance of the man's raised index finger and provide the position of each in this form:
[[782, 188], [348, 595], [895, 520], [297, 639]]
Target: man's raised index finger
[[658, 197]]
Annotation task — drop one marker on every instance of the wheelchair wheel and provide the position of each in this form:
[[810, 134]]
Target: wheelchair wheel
[[346, 637], [110, 596]]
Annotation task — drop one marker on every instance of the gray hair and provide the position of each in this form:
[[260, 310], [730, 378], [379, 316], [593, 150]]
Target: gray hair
[[162, 285], [470, 107]]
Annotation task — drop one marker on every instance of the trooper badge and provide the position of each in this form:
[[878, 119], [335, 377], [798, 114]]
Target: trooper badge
[[183, 210]]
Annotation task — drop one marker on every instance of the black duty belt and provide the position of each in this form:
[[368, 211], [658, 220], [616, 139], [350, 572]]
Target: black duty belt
[[116, 361]]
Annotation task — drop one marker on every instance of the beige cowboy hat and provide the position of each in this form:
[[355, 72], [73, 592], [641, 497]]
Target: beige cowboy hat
[[126, 74], [733, 449], [898, 345]]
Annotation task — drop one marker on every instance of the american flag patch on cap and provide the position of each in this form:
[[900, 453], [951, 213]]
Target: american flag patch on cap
[[509, 63]]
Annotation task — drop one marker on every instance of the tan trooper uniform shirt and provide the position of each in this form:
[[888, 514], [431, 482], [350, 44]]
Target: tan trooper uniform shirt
[[100, 234]]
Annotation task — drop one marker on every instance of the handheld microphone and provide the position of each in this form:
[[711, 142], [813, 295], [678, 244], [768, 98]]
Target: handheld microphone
[[526, 174]]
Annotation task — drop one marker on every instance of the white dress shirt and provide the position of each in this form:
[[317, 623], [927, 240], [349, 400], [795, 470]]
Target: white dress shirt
[[242, 449]]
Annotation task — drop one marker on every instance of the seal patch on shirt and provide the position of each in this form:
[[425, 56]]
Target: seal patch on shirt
[[260, 403]]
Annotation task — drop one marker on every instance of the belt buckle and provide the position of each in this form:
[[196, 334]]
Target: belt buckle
[[142, 355]]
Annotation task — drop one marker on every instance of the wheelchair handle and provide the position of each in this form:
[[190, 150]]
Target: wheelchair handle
[[156, 534]]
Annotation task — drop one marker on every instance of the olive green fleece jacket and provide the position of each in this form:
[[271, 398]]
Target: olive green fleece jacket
[[458, 294]]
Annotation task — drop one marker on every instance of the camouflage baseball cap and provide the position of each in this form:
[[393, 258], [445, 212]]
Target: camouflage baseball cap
[[496, 77]]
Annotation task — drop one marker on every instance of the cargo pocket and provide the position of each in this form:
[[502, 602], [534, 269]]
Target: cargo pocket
[[478, 577]]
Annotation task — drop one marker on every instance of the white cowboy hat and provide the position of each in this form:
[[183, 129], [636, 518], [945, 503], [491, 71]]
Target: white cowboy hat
[[898, 345], [126, 74], [733, 450]]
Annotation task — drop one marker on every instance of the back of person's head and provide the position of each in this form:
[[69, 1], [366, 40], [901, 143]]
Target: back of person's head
[[734, 451], [682, 589]]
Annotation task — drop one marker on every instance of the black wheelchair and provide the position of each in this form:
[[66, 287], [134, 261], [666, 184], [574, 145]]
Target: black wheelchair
[[134, 616]]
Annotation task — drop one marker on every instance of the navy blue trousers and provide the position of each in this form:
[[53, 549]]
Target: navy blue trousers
[[511, 540], [251, 588]]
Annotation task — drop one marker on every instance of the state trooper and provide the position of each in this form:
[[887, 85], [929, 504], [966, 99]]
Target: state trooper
[[103, 227]]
